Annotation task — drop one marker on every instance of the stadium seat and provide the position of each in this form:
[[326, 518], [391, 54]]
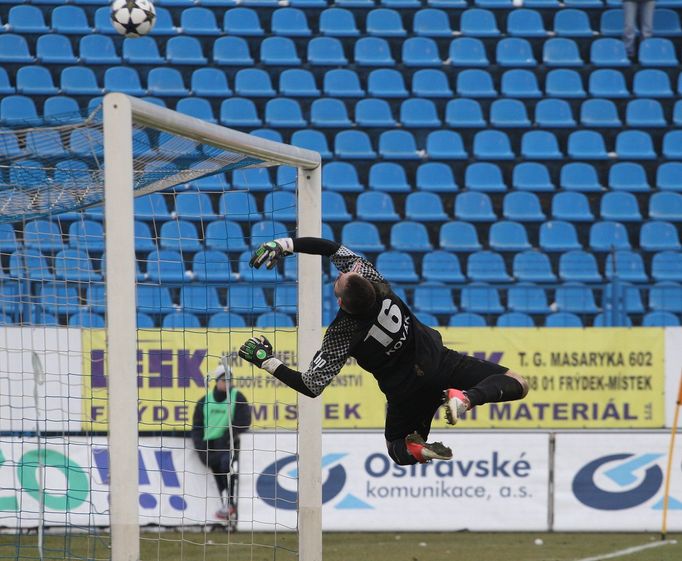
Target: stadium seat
[[564, 83], [279, 51], [58, 298], [232, 51], [410, 236], [672, 149], [587, 145], [620, 207], [166, 82], [8, 238], [666, 297], [509, 113], [35, 81], [86, 235], [651, 82], [384, 22], [458, 237], [484, 176], [434, 299], [563, 319], [9, 147], [436, 177], [338, 22], [375, 206], [123, 79], [657, 51], [45, 143], [29, 264], [374, 113], [474, 207], [628, 176], [525, 23], [522, 206], [558, 236], [466, 319], [14, 49], [243, 22], [611, 23], [142, 50], [74, 265], [274, 320], [334, 207], [645, 113], [341, 82], [532, 266], [280, 206], [372, 51], [599, 113], [428, 82], [227, 320], [579, 266], [227, 235], [666, 205], [342, 177], [198, 21], [625, 265], [353, 145], [199, 299], [151, 207], [239, 112], [492, 145], [476, 22], [442, 266], [527, 298], [54, 49], [26, 20], [194, 206], [44, 235], [419, 113], [578, 176], [86, 320], [397, 266], [180, 320], [464, 113], [386, 83], [430, 22], [669, 176], [520, 83], [326, 51], [608, 52], [532, 176], [79, 80], [144, 240], [660, 319], [608, 236], [19, 110], [572, 23], [427, 319], [514, 52], [468, 51], [398, 145], [659, 236], [312, 140], [291, 22], [481, 299], [560, 51], [508, 236], [253, 82], [285, 297], [575, 298], [677, 113], [540, 145], [619, 297], [166, 265], [361, 236], [296, 82], [475, 83], [635, 145], [486, 266], [163, 25], [606, 82], [424, 207], [283, 112], [5, 87], [515, 319], [210, 82], [185, 51]]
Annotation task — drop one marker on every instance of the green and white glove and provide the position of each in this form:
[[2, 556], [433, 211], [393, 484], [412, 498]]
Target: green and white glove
[[271, 252], [256, 351]]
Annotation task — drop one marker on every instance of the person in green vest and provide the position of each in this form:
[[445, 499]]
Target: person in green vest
[[220, 417]]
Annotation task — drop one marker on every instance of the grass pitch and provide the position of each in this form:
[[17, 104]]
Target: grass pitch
[[244, 546]]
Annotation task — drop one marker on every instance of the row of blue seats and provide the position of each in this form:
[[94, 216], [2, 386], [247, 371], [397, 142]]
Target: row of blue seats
[[370, 52], [169, 266], [341, 22]]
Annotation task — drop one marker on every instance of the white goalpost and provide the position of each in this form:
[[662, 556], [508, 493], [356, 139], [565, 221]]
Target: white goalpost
[[120, 113]]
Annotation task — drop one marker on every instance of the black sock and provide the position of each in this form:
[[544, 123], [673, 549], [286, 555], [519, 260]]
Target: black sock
[[397, 450], [493, 389]]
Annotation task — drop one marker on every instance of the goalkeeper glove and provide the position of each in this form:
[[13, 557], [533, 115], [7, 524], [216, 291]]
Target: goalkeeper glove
[[271, 252], [256, 351]]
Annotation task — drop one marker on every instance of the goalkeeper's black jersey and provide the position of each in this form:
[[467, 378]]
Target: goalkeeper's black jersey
[[388, 342]]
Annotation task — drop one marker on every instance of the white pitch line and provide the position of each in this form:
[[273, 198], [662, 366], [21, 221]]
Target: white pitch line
[[629, 550]]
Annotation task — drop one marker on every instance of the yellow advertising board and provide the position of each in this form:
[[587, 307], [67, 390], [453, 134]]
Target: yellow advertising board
[[579, 378]]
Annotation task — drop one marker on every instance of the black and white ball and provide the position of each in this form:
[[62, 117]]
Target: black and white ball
[[133, 18]]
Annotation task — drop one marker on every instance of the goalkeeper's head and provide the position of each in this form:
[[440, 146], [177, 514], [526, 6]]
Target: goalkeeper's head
[[355, 293]]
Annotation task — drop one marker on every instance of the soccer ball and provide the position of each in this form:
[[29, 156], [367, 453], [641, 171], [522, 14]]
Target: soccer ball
[[133, 18]]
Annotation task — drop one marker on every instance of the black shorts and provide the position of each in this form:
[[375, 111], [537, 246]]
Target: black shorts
[[462, 372]]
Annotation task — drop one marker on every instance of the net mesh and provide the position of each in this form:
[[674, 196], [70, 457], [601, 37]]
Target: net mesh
[[199, 213]]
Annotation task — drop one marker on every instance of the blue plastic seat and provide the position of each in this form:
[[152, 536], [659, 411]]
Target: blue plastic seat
[[563, 319], [274, 320], [659, 236], [492, 145], [667, 23], [353, 145], [628, 176], [285, 297], [481, 299], [532, 266], [8, 238], [9, 147], [484, 176], [666, 297], [509, 113], [243, 22], [312, 140], [419, 113], [475, 83], [326, 51], [620, 206], [522, 206], [622, 297], [410, 236], [474, 206], [464, 113], [166, 82], [372, 51], [166, 265], [532, 176], [341, 82], [420, 52], [398, 145], [341, 176], [660, 319], [669, 176], [397, 266], [626, 265], [575, 298], [375, 206], [185, 51], [35, 80], [255, 179], [196, 107], [579, 266], [384, 22], [525, 23], [467, 51], [194, 206], [515, 319], [572, 23], [608, 83], [458, 237], [54, 49], [677, 113], [239, 112], [434, 299], [467, 319], [599, 113], [666, 205], [14, 49], [227, 320], [284, 113], [280, 205], [179, 235], [163, 25], [557, 236], [142, 50], [199, 21], [231, 51], [608, 52], [424, 206], [608, 236], [611, 23], [44, 235], [361, 236], [74, 265], [374, 113], [26, 19], [571, 207], [527, 299], [45, 143], [508, 236], [338, 22], [430, 22], [516, 52], [476, 22], [486, 266], [58, 298], [19, 110], [436, 177], [442, 266], [291, 22], [657, 51], [540, 145], [445, 145], [200, 299], [151, 207], [180, 320], [5, 87], [70, 20], [210, 82], [79, 80], [123, 79], [672, 149], [227, 235], [29, 264], [651, 82], [267, 230], [564, 83], [561, 51], [298, 82], [578, 176], [635, 145], [144, 240], [334, 207], [253, 82], [587, 145], [520, 83], [429, 82], [279, 51], [103, 22]]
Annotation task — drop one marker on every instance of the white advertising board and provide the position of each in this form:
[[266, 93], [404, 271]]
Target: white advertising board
[[58, 389], [175, 488], [492, 478], [614, 482]]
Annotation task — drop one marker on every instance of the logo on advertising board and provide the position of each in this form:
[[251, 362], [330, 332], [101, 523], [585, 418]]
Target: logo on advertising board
[[621, 481]]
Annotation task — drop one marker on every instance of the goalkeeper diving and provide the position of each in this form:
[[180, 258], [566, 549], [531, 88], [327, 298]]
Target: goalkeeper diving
[[415, 371]]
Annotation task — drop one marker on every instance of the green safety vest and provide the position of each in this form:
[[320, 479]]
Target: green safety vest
[[217, 416]]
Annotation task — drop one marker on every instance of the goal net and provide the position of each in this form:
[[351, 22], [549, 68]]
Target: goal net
[[125, 295]]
